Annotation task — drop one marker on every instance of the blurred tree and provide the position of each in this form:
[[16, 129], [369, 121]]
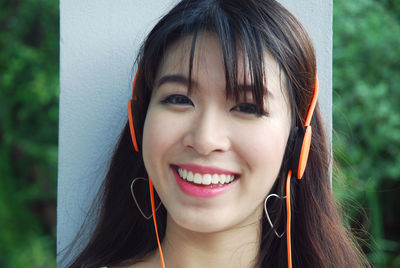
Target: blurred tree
[[29, 33], [366, 99], [392, 6]]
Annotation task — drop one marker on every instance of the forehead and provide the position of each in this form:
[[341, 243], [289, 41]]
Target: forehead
[[208, 61]]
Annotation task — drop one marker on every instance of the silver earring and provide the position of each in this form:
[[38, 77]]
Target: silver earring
[[267, 214], [136, 202]]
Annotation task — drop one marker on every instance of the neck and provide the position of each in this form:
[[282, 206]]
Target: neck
[[237, 246]]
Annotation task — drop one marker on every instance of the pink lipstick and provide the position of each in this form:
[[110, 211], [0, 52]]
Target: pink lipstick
[[200, 190]]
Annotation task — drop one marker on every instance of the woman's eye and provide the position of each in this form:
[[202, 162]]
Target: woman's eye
[[248, 108], [177, 99]]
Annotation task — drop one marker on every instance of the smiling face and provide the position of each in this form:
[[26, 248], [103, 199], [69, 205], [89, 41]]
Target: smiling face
[[212, 160]]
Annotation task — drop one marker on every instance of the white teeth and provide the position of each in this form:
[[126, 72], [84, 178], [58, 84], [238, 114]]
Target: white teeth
[[197, 178], [215, 179], [189, 176], [222, 178], [205, 179]]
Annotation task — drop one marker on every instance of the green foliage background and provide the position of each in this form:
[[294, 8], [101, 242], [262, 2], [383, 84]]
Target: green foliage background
[[29, 32], [366, 97], [366, 118]]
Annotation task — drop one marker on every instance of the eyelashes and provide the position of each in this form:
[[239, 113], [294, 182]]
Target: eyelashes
[[249, 108], [177, 99], [243, 108]]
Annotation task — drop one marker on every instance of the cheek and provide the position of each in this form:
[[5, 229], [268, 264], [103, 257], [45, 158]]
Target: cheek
[[160, 137], [152, 138], [264, 151], [156, 136]]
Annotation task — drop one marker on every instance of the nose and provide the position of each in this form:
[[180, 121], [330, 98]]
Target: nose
[[208, 133]]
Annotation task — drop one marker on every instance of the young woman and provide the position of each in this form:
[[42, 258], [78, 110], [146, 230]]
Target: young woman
[[222, 97]]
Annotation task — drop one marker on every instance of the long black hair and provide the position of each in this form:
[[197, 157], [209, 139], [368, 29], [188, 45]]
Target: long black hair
[[123, 236]]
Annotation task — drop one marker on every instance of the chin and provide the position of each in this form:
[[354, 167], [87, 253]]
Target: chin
[[205, 226], [208, 222]]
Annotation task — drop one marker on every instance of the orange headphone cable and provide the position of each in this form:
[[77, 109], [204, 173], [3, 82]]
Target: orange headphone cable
[[153, 211], [288, 220]]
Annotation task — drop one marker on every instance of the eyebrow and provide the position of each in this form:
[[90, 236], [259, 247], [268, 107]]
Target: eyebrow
[[180, 79], [176, 79]]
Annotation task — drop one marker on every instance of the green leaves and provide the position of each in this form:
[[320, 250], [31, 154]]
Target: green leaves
[[366, 117], [28, 132]]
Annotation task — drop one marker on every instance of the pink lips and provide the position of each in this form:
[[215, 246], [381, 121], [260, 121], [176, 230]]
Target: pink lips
[[202, 190]]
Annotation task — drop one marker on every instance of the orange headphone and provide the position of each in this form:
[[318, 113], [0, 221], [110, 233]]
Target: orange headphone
[[302, 144], [135, 145], [301, 149]]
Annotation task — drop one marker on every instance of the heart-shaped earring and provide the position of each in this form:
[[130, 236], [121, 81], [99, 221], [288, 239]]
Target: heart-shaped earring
[[267, 214], [136, 202]]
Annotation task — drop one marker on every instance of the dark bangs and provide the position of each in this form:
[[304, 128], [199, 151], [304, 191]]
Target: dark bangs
[[236, 28]]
